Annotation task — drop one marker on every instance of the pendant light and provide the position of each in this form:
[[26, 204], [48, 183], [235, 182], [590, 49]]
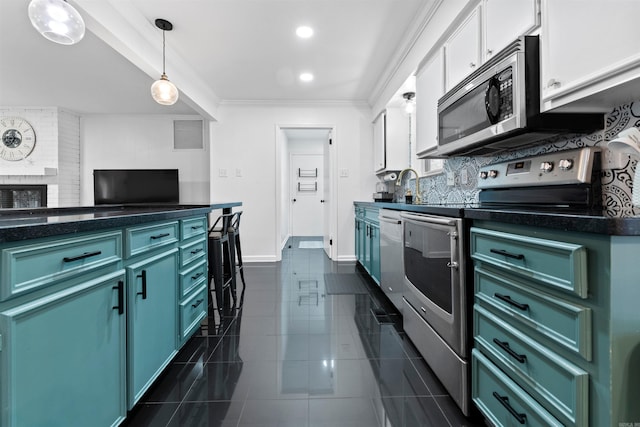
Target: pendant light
[[163, 91], [410, 103], [57, 21]]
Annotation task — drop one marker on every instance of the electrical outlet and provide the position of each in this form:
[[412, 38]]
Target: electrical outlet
[[344, 173], [451, 179], [238, 172], [464, 176]]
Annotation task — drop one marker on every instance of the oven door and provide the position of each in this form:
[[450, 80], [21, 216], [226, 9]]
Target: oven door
[[434, 275]]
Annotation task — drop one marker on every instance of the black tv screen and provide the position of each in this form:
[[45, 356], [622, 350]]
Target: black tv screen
[[121, 186]]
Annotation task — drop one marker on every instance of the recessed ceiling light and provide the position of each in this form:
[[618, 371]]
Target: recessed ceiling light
[[306, 77], [304, 32]]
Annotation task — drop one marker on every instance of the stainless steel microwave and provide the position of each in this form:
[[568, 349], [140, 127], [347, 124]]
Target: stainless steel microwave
[[498, 107]]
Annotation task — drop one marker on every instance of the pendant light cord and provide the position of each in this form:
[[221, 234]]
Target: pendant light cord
[[163, 41]]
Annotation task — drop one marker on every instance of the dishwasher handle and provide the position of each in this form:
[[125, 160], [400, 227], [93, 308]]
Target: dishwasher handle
[[389, 220], [429, 219]]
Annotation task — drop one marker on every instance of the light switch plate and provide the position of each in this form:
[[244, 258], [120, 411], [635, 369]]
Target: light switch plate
[[222, 173], [451, 179], [344, 173]]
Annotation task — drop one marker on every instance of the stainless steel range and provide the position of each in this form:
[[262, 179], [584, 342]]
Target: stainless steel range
[[437, 273]]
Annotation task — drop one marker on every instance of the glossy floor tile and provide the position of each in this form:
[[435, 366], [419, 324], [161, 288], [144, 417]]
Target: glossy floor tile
[[292, 354]]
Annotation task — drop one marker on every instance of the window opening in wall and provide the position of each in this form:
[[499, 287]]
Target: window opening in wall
[[188, 134]]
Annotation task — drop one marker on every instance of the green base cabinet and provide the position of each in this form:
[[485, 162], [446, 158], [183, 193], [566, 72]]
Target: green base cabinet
[[556, 326], [63, 357], [367, 243]]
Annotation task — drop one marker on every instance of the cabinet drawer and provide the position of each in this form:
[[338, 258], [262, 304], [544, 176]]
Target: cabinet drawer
[[561, 386], [144, 239], [501, 400], [372, 215], [562, 322], [193, 227], [193, 251], [192, 311], [29, 267], [193, 277], [558, 265]]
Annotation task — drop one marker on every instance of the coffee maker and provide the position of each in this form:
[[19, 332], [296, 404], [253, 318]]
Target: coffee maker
[[384, 189]]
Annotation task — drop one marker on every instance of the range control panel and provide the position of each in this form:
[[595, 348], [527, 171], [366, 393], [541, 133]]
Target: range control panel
[[559, 168]]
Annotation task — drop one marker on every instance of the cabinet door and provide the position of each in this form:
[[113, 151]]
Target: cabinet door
[[153, 330], [429, 88], [506, 20], [374, 248], [588, 46], [63, 357], [462, 50], [379, 148]]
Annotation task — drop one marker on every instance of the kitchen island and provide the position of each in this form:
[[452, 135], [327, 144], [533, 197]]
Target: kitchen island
[[94, 304]]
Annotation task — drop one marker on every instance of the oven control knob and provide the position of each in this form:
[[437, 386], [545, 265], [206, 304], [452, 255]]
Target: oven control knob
[[546, 167], [483, 174], [565, 164], [493, 173]]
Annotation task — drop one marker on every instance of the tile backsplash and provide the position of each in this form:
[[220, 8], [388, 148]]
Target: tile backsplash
[[617, 184]]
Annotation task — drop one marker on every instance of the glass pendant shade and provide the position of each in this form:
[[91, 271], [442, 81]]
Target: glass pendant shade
[[57, 21], [164, 92]]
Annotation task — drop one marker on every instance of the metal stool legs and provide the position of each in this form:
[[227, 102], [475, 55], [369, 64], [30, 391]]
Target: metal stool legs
[[235, 231], [222, 262]]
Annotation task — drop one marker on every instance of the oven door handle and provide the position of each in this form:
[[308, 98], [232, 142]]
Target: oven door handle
[[428, 219]]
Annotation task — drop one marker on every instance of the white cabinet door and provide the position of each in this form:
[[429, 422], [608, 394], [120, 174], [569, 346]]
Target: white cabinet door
[[379, 160], [462, 50], [429, 88], [397, 134], [506, 20], [590, 46]]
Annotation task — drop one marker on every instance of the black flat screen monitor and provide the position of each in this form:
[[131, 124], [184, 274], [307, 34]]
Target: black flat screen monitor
[[122, 186]]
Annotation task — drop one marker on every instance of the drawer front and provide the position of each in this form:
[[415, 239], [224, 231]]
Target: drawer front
[[501, 400], [561, 386], [193, 277], [143, 239], [192, 311], [563, 322], [29, 267], [192, 252], [193, 227], [372, 215], [558, 265]]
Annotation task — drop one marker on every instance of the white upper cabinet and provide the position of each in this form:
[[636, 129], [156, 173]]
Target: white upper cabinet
[[391, 136], [462, 50], [429, 88], [590, 54], [506, 20]]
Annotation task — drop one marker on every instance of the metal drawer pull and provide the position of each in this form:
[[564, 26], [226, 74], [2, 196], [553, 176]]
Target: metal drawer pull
[[424, 310], [196, 276], [505, 346], [196, 251], [160, 236], [508, 300], [452, 264], [507, 254], [143, 275], [195, 227], [83, 256], [197, 303], [120, 288], [522, 418]]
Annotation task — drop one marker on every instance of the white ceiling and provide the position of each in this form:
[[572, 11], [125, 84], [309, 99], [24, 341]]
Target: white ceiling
[[219, 51]]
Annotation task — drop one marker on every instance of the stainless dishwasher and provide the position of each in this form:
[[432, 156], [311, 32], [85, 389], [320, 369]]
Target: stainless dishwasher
[[391, 270]]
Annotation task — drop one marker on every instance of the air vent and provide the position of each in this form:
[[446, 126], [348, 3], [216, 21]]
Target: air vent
[[188, 135]]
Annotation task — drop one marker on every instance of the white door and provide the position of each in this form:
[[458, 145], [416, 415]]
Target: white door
[[307, 190], [326, 197]]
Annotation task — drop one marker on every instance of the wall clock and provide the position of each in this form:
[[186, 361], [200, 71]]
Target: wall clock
[[17, 138]]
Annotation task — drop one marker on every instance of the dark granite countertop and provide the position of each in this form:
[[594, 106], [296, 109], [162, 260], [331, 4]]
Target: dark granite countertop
[[23, 224], [559, 218]]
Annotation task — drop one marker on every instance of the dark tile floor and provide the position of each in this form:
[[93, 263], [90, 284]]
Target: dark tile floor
[[294, 355]]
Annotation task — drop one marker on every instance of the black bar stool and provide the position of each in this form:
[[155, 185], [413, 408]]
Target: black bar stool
[[222, 268], [235, 230]]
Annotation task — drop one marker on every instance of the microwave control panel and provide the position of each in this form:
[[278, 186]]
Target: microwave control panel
[[563, 167]]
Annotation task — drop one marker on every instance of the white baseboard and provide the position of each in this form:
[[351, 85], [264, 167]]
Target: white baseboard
[[259, 258], [346, 258]]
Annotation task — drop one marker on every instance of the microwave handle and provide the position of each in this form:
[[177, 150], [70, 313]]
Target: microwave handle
[[428, 219]]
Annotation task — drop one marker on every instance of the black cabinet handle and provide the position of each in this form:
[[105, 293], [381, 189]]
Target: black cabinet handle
[[143, 275], [195, 227], [160, 236], [505, 346], [508, 300], [196, 276], [120, 288], [83, 256], [507, 254], [522, 418], [197, 303], [195, 251]]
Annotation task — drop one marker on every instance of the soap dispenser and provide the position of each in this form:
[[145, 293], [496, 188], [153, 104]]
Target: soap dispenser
[[627, 142]]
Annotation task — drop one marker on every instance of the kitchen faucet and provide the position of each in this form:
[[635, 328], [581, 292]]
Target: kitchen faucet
[[416, 200]]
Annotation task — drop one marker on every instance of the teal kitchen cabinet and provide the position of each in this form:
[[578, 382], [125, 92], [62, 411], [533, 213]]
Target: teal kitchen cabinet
[[367, 235], [556, 339], [360, 228]]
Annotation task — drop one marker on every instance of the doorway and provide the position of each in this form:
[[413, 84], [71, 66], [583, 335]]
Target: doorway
[[305, 188]]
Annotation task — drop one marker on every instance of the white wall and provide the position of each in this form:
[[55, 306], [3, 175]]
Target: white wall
[[245, 138], [140, 142], [285, 206]]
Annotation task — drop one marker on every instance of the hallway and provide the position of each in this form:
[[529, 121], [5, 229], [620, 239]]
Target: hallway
[[301, 352]]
